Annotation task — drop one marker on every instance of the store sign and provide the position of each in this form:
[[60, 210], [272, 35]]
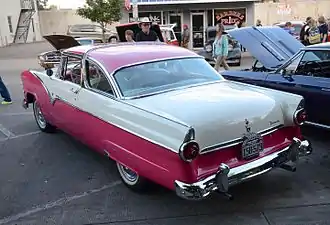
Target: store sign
[[229, 16], [154, 17], [284, 10]]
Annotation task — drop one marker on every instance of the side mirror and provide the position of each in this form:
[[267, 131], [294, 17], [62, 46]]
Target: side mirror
[[49, 72]]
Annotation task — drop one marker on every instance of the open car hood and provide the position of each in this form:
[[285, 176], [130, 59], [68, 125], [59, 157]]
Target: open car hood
[[136, 29], [61, 41], [271, 46]]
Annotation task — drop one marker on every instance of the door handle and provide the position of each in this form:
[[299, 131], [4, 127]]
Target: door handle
[[75, 90], [325, 89]]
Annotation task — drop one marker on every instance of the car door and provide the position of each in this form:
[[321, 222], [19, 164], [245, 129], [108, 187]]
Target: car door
[[64, 88], [95, 101], [295, 77]]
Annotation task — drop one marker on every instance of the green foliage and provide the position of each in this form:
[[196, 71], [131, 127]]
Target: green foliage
[[102, 11], [42, 4]]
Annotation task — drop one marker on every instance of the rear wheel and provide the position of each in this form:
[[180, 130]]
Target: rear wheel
[[112, 40], [132, 179], [40, 119]]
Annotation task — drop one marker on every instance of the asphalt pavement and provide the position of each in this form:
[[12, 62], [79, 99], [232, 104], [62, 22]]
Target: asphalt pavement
[[54, 179]]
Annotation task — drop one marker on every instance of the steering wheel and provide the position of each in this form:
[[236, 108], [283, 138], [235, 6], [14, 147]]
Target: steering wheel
[[95, 79], [310, 69], [75, 76]]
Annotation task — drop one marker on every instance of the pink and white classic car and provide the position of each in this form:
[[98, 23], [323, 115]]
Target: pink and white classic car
[[164, 115]]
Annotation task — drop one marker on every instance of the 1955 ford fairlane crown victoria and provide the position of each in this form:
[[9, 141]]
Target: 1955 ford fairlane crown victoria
[[165, 115]]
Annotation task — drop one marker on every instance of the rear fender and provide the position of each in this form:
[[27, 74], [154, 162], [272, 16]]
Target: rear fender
[[35, 90]]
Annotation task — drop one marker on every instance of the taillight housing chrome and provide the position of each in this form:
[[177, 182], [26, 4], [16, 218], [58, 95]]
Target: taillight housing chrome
[[300, 116], [189, 151]]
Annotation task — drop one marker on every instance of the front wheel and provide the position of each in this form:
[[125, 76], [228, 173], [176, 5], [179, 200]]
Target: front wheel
[[40, 119], [131, 179]]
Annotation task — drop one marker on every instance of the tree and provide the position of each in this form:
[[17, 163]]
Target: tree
[[42, 4], [102, 11]]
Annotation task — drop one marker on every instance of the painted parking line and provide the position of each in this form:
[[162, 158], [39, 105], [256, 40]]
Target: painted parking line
[[17, 114], [59, 202], [20, 135], [6, 132]]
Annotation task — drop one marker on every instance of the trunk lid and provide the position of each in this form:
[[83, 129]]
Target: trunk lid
[[272, 46], [218, 112], [61, 41]]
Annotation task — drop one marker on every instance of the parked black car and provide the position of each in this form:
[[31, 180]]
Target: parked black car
[[234, 54]]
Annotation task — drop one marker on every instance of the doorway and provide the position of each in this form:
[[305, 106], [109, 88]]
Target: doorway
[[176, 18], [197, 29]]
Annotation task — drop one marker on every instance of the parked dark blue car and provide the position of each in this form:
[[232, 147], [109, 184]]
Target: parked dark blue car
[[283, 63]]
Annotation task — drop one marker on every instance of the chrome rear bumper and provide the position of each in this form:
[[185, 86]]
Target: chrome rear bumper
[[226, 177]]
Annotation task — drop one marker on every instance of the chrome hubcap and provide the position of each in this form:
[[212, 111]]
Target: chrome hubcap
[[129, 174], [40, 118]]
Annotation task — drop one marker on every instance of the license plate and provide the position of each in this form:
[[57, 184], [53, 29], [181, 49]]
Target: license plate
[[252, 145]]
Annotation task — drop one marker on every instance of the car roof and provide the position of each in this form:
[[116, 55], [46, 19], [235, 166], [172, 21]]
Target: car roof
[[116, 56]]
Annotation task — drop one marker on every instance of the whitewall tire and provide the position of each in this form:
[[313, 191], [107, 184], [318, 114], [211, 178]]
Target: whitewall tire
[[40, 119], [131, 179]]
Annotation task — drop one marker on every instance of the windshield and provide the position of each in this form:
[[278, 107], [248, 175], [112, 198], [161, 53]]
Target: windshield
[[149, 78]]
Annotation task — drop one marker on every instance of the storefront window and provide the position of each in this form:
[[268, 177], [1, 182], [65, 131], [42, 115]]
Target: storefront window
[[155, 17], [229, 16]]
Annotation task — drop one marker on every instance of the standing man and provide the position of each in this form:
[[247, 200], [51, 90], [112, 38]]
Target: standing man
[[303, 31], [185, 36], [146, 34], [4, 94]]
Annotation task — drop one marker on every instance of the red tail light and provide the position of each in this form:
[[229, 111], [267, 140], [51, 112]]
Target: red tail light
[[300, 116], [189, 151]]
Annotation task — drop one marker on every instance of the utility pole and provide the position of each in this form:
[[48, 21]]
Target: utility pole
[[135, 10]]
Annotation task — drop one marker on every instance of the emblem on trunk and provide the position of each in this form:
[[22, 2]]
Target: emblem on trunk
[[247, 126]]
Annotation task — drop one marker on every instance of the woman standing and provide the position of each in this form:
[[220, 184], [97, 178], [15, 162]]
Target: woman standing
[[312, 35], [220, 48]]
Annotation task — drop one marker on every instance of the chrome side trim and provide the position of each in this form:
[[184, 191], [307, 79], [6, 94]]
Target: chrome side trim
[[237, 141], [115, 125], [323, 126]]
